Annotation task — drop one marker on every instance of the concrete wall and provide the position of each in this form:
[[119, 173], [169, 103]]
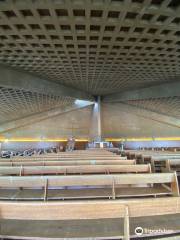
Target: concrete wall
[[118, 123], [76, 123]]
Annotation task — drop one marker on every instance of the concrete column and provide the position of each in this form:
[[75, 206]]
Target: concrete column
[[96, 132], [99, 131]]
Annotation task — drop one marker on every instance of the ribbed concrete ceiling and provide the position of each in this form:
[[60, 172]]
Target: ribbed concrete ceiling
[[97, 46], [16, 104], [167, 106], [102, 46]]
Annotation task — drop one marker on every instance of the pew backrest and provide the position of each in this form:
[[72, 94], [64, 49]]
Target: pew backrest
[[79, 169], [66, 162]]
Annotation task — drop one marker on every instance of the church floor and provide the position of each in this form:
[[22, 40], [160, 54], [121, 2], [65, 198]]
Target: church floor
[[86, 229]]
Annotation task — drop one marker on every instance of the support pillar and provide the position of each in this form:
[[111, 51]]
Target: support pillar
[[96, 128], [99, 130]]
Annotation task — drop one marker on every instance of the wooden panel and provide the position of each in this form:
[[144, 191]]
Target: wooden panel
[[174, 161], [159, 158], [67, 163], [88, 209], [71, 156], [74, 169], [174, 186], [86, 180], [148, 154], [63, 159]]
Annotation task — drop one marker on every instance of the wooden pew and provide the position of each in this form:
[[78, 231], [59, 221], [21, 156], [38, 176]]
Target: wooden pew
[[71, 210], [158, 160], [135, 154], [145, 156], [158, 163], [75, 153], [98, 209], [72, 154], [170, 165], [114, 150], [80, 169], [88, 186], [116, 157], [69, 155], [131, 154], [66, 162]]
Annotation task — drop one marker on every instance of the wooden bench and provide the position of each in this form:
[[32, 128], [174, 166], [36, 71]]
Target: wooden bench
[[116, 157], [98, 209], [88, 186], [67, 162], [158, 163], [69, 155], [79, 169], [169, 165], [157, 160], [173, 165], [72, 154], [146, 156], [134, 154]]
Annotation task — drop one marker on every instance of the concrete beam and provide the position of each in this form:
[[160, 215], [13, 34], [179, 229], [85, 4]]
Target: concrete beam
[[161, 118], [16, 79], [159, 91], [6, 127]]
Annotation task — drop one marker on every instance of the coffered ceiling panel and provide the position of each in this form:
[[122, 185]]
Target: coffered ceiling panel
[[15, 104], [167, 106], [102, 46]]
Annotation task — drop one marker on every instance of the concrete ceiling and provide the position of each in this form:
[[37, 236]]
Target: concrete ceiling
[[53, 52], [101, 47], [16, 104], [166, 106]]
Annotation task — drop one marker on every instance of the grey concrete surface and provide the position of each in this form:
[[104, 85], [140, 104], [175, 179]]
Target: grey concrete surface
[[160, 91], [87, 228], [6, 127], [16, 79]]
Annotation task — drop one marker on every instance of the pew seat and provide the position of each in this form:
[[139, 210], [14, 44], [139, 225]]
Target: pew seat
[[82, 193], [88, 186]]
